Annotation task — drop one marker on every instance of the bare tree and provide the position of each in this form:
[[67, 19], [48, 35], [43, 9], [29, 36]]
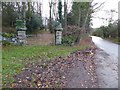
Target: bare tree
[[39, 8], [50, 18], [79, 31], [90, 10]]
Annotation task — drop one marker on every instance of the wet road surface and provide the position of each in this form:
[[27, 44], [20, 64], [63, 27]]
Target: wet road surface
[[107, 63]]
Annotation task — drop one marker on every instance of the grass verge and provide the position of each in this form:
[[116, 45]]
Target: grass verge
[[114, 40], [14, 58]]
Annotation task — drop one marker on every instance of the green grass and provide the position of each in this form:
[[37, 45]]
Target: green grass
[[114, 40], [14, 58]]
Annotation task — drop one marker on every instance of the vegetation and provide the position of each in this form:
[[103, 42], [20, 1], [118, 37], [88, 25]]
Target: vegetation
[[6, 43], [15, 58], [76, 26], [68, 40], [23, 10], [35, 23], [109, 32], [79, 12], [7, 35], [79, 16], [60, 10], [76, 22]]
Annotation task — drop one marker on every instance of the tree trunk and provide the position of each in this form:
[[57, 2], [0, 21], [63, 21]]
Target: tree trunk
[[50, 23], [79, 31], [65, 17], [82, 30], [87, 15], [23, 10]]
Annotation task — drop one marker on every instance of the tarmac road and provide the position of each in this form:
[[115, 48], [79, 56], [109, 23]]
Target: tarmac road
[[106, 62]]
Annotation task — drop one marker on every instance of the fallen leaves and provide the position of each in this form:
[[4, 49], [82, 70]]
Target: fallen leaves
[[53, 73]]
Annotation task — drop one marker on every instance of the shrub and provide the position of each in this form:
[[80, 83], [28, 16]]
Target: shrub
[[35, 23], [7, 35], [7, 39], [5, 43], [68, 40]]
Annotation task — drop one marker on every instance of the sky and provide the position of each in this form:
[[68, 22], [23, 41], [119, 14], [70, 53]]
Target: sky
[[102, 13], [109, 5]]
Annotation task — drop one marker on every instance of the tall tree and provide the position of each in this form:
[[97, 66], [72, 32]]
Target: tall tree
[[39, 7], [23, 10], [60, 10], [8, 14], [29, 13], [65, 16], [80, 16], [81, 12], [50, 18]]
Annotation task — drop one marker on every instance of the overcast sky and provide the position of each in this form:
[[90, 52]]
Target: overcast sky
[[102, 13], [109, 4]]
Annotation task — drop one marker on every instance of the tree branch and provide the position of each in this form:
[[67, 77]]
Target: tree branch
[[98, 6]]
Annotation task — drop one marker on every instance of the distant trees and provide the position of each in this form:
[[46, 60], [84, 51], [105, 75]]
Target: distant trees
[[118, 27], [24, 10], [9, 14], [79, 16], [110, 31]]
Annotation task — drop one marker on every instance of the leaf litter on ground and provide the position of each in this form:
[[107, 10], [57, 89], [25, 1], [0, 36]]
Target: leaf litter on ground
[[54, 73]]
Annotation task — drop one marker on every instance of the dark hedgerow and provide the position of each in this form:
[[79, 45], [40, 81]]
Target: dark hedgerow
[[68, 40]]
